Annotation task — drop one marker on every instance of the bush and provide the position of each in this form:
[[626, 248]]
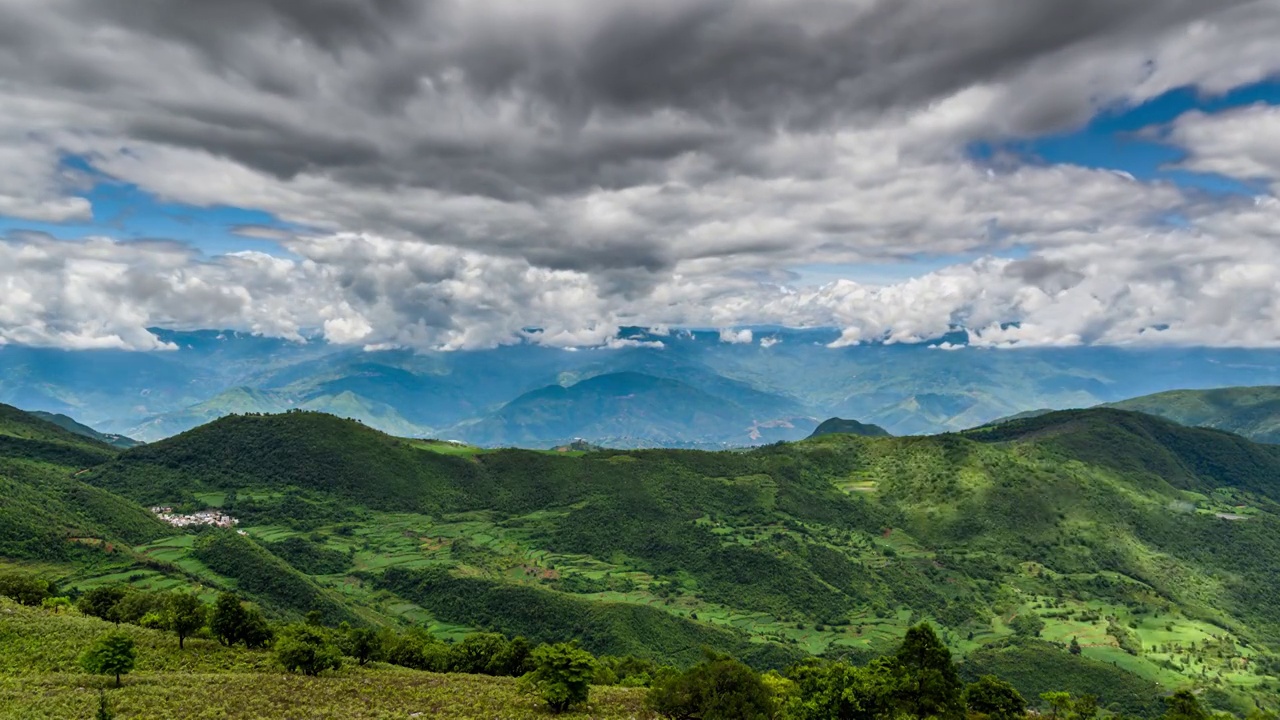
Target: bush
[[307, 649], [111, 654], [562, 675], [184, 615], [719, 689], [233, 621]]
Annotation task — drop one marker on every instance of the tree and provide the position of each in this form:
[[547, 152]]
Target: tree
[[228, 618], [184, 615], [561, 676], [1183, 705], [995, 698], [104, 708], [100, 602], [839, 691], [1074, 647], [307, 649], [1028, 625], [25, 589], [255, 632], [719, 689], [362, 644], [930, 684], [111, 654], [1059, 703]]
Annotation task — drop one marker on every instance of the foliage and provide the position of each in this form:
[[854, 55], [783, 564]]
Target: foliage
[[262, 574], [184, 615], [931, 685], [233, 621], [111, 654], [101, 601], [307, 649], [1183, 705], [995, 698], [26, 588], [1028, 625], [718, 689], [561, 675], [839, 691]]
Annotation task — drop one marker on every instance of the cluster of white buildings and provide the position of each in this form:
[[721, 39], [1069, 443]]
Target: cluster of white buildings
[[204, 517]]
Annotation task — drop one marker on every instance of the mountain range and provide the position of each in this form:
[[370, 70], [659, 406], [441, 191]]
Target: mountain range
[[1151, 544], [722, 394]]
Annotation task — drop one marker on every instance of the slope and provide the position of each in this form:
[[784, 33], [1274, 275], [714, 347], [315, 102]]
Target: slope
[[624, 408], [1253, 412], [47, 513], [68, 423]]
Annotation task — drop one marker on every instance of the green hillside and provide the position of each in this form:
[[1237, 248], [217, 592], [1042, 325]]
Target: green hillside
[[840, 426], [68, 423], [1152, 544], [47, 512], [1253, 412]]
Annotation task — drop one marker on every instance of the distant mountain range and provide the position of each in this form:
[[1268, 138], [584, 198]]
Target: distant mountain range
[[684, 388], [68, 423]]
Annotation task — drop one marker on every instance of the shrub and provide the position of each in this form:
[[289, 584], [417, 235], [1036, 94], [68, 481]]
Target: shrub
[[307, 649], [362, 644], [719, 689], [111, 654], [562, 675]]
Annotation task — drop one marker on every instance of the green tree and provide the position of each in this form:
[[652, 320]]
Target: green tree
[[995, 698], [104, 708], [255, 631], [931, 686], [25, 589], [100, 602], [184, 615], [363, 644], [227, 621], [1074, 647], [1028, 625], [839, 691], [561, 676], [111, 654], [719, 689], [307, 649], [1059, 703], [1184, 705]]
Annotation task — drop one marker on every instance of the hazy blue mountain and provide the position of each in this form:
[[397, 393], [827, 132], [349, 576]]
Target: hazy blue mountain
[[781, 383], [624, 409], [69, 423]]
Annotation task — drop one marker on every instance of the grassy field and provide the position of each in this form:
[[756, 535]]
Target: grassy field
[[40, 678]]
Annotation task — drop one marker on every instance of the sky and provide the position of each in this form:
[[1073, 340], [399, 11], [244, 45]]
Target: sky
[[447, 174]]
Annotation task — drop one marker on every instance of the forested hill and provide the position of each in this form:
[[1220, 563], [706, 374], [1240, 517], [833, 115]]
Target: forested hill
[[840, 426], [1153, 545], [1253, 412]]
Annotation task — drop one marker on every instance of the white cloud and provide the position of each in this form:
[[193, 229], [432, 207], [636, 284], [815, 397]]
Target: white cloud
[[736, 337], [1242, 143]]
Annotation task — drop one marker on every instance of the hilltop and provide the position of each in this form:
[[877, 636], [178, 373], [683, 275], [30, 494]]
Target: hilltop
[[1253, 412], [68, 423], [1152, 543], [839, 426]]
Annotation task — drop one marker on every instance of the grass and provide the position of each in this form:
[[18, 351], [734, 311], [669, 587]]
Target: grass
[[40, 678], [353, 694]]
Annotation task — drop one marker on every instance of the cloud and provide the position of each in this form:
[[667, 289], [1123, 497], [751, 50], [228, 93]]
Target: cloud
[[736, 337], [458, 172]]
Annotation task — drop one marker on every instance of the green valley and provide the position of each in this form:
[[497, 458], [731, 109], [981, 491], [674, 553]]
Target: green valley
[[1095, 552]]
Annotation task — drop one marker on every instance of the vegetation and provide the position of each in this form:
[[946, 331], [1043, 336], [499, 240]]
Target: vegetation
[[840, 426], [561, 676], [306, 649], [110, 654], [1150, 545]]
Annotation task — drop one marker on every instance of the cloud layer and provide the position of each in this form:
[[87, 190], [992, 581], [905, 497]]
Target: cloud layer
[[464, 171]]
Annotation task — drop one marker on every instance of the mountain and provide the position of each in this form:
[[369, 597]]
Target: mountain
[[840, 426], [782, 380], [48, 513], [1253, 412], [1132, 534], [620, 409], [68, 423]]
